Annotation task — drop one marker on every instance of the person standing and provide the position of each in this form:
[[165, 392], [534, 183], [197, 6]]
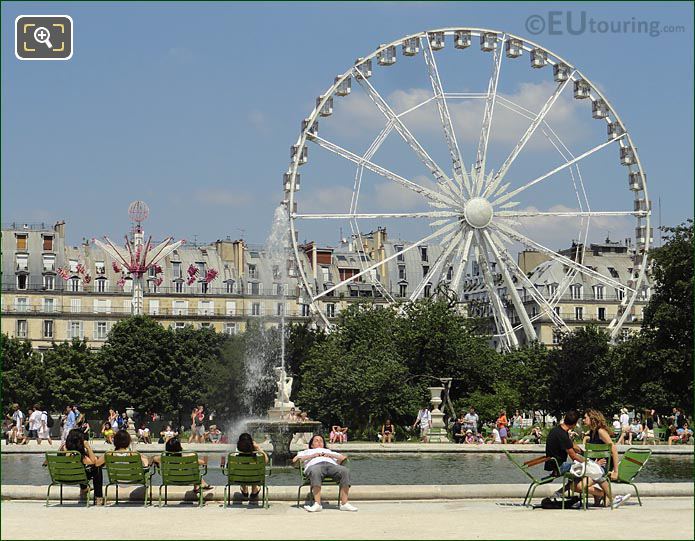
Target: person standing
[[624, 426], [44, 430], [424, 419], [18, 423], [69, 423], [199, 425], [35, 423], [471, 420], [502, 425]]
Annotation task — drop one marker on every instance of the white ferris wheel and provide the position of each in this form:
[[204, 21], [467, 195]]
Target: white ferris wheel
[[474, 205]]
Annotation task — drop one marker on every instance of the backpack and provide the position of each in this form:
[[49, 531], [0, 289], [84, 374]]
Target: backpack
[[550, 503], [49, 420]]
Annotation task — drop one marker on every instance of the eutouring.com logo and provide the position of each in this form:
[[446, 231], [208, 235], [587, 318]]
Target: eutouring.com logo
[[558, 23]]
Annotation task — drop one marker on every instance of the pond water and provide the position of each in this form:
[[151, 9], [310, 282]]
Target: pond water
[[383, 469]]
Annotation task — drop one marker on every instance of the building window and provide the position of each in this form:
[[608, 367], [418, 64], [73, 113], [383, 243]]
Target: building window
[[75, 305], [576, 291], [179, 325], [22, 262], [49, 282], [99, 267], [206, 325], [22, 242], [280, 309], [229, 286], [306, 312], [49, 305], [100, 330], [180, 308], [75, 329], [598, 293], [402, 288], [22, 328], [252, 271], [330, 310], [556, 338], [102, 306], [230, 328], [620, 294], [128, 285], [400, 256], [230, 308], [154, 307], [178, 287], [176, 269], [21, 304], [325, 274], [101, 285], [48, 328], [256, 309], [423, 253], [152, 272], [450, 273], [48, 243], [205, 308], [276, 271], [427, 292], [204, 287], [601, 315], [552, 290], [254, 288], [151, 286], [22, 281], [74, 284], [556, 309], [49, 262], [425, 270], [72, 263], [401, 272], [578, 313]]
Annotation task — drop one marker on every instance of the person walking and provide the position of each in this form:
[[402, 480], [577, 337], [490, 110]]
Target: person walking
[[424, 420]]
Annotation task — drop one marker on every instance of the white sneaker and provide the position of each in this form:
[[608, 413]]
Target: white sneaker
[[314, 508], [620, 500], [347, 507]]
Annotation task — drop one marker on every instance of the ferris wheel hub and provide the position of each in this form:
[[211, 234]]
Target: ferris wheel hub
[[478, 212]]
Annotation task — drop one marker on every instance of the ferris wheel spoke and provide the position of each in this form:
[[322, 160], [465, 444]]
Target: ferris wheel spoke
[[569, 213], [565, 165], [537, 121], [460, 174], [450, 242], [511, 287], [382, 171], [365, 216], [514, 235], [441, 231], [536, 295], [504, 325], [481, 155], [441, 177], [462, 258]]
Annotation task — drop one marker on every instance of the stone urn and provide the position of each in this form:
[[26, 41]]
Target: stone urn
[[437, 433]]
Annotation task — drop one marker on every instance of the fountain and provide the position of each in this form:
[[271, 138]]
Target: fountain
[[278, 426]]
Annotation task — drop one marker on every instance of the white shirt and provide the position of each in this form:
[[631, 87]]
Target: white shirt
[[471, 419], [35, 420], [624, 419], [616, 424], [496, 436], [331, 457], [425, 418]]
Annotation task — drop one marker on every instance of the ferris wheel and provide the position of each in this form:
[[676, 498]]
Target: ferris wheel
[[475, 204]]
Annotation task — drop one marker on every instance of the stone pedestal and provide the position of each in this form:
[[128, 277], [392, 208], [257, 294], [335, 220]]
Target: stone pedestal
[[281, 433], [437, 432]]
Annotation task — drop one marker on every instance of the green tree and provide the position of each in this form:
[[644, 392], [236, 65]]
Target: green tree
[[530, 374], [24, 377]]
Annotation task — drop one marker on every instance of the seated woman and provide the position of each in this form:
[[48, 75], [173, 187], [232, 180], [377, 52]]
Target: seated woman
[[342, 437], [636, 430], [470, 437], [92, 463], [680, 435], [107, 432], [214, 434], [173, 446], [387, 431], [166, 434], [334, 436], [494, 437], [122, 441], [599, 433], [534, 437], [144, 434], [320, 462], [247, 447]]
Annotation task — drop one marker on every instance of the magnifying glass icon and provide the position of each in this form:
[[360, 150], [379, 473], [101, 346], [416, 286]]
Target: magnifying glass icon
[[42, 35]]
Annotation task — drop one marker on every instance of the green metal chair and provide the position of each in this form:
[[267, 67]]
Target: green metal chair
[[631, 464], [536, 481], [328, 480], [181, 470], [245, 470], [598, 451], [661, 434], [125, 468], [66, 468]]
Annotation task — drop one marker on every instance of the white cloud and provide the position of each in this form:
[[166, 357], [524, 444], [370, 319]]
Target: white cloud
[[222, 197], [332, 199]]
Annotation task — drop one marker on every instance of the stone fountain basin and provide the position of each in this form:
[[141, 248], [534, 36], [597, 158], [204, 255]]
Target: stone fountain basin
[[281, 432]]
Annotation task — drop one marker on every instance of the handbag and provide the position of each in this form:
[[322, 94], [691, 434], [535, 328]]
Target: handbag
[[588, 468]]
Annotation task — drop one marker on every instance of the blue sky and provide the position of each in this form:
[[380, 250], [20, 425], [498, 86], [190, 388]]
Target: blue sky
[[193, 108]]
